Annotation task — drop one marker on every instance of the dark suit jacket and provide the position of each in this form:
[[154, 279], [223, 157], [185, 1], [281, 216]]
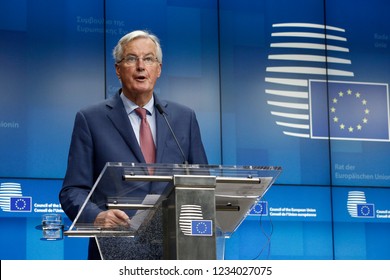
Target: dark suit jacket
[[102, 133]]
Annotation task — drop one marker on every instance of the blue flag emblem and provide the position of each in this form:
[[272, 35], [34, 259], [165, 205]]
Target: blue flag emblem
[[260, 208], [201, 228], [365, 210], [349, 111], [20, 204]]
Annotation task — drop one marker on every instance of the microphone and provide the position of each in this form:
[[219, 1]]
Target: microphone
[[161, 111]]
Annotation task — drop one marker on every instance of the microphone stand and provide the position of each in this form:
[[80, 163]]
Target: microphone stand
[[185, 162]]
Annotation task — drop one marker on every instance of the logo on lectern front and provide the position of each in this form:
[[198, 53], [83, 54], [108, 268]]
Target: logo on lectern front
[[191, 221]]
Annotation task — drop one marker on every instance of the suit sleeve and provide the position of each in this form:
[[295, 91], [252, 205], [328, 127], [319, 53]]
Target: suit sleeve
[[197, 154], [79, 176]]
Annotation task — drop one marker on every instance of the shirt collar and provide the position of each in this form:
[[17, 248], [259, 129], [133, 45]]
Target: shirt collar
[[130, 106]]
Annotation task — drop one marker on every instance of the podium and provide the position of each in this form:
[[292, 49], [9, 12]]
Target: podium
[[176, 211]]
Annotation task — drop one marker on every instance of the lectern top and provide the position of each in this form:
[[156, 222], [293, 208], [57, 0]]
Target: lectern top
[[139, 188]]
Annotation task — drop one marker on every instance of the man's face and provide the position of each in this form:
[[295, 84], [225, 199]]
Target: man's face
[[138, 79]]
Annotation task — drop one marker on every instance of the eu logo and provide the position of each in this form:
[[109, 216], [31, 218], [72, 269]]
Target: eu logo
[[349, 110], [20, 204], [365, 210], [260, 208], [201, 228]]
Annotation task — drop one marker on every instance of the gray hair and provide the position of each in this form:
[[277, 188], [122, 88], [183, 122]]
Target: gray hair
[[118, 50]]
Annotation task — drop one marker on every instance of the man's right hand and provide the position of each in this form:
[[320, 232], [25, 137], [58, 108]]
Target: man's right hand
[[112, 218]]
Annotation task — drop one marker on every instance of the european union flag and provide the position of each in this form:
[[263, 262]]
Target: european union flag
[[202, 227], [260, 208], [349, 110], [20, 204], [365, 210]]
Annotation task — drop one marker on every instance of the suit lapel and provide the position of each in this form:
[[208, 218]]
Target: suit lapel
[[117, 114]]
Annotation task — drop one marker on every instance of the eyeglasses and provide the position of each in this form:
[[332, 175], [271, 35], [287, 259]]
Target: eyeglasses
[[132, 60]]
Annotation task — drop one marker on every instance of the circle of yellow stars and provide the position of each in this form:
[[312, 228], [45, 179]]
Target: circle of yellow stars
[[201, 227], [20, 204], [350, 127]]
